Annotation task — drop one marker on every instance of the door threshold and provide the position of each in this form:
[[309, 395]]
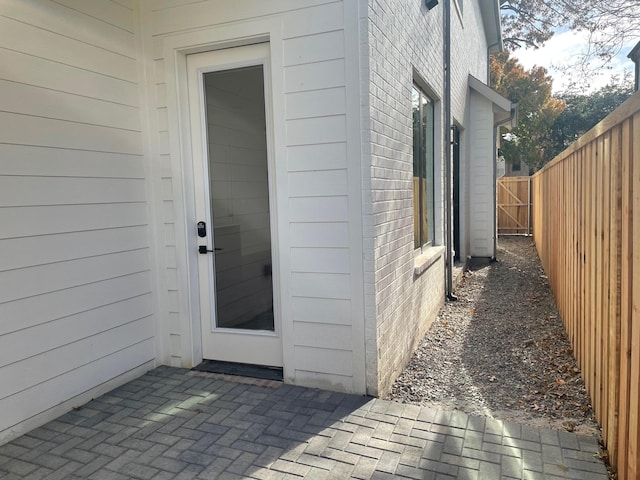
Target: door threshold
[[240, 369]]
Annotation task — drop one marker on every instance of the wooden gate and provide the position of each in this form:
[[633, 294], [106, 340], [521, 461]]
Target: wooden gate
[[514, 206]]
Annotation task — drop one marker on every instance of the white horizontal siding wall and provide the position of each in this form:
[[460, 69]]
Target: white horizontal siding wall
[[481, 157], [317, 210], [75, 282], [468, 56]]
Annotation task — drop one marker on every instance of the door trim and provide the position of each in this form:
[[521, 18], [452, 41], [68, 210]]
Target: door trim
[[175, 48], [198, 65]]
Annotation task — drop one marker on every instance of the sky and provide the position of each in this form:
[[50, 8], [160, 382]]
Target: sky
[[560, 49]]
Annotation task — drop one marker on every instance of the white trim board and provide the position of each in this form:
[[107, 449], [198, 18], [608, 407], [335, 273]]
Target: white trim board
[[175, 48]]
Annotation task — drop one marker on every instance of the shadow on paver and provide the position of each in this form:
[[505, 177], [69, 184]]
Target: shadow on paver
[[176, 424], [532, 342], [517, 340]]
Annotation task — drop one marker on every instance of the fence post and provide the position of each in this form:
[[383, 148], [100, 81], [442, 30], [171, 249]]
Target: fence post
[[528, 206]]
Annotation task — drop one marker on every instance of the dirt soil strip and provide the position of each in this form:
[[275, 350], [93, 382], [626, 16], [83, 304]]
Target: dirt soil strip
[[501, 350]]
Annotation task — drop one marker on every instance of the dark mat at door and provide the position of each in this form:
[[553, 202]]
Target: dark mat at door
[[240, 369]]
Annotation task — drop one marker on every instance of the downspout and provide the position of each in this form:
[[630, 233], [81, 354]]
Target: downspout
[[446, 134]]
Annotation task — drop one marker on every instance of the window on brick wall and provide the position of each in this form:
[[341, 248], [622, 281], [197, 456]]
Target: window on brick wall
[[423, 162]]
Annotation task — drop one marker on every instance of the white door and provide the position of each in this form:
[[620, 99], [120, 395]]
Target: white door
[[231, 140]]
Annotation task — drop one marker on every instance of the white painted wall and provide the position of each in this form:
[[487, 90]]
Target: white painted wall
[[316, 130], [404, 288], [400, 38], [82, 308], [76, 305], [481, 158], [468, 56]]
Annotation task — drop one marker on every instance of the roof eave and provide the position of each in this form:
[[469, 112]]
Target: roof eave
[[505, 112], [490, 94], [490, 11], [634, 54]]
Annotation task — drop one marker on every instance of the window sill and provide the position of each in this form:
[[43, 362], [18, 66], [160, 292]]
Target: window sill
[[422, 262]]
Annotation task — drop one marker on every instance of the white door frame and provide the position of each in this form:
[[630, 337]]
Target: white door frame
[[175, 48], [244, 346]]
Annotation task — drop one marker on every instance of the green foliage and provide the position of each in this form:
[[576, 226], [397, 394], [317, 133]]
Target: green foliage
[[583, 112], [609, 26], [546, 124], [537, 109]]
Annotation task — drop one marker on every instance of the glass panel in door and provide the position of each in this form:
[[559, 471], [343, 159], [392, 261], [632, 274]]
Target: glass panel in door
[[239, 198]]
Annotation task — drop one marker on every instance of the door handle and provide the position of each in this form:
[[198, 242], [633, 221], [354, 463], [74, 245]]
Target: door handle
[[202, 232], [202, 249]]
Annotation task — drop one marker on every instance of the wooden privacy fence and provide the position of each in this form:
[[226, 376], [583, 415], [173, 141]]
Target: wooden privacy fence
[[514, 205], [586, 217]]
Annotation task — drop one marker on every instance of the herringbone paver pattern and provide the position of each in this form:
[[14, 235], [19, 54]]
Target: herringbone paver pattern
[[177, 424]]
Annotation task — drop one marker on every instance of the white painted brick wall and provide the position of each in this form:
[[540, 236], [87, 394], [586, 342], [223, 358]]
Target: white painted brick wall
[[401, 37], [468, 55]]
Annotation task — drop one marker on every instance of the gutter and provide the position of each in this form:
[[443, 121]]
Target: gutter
[[496, 17]]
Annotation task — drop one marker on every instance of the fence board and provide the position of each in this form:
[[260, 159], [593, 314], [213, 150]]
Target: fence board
[[625, 296], [634, 404], [614, 291], [586, 220]]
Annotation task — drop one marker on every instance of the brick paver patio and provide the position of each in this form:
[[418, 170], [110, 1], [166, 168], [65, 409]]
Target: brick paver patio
[[177, 424]]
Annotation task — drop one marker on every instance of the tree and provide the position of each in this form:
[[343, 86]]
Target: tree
[[583, 112], [610, 25], [537, 109]]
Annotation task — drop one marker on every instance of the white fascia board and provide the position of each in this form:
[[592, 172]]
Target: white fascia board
[[490, 11], [501, 105]]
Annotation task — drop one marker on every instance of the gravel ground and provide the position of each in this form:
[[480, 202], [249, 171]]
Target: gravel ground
[[501, 350]]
